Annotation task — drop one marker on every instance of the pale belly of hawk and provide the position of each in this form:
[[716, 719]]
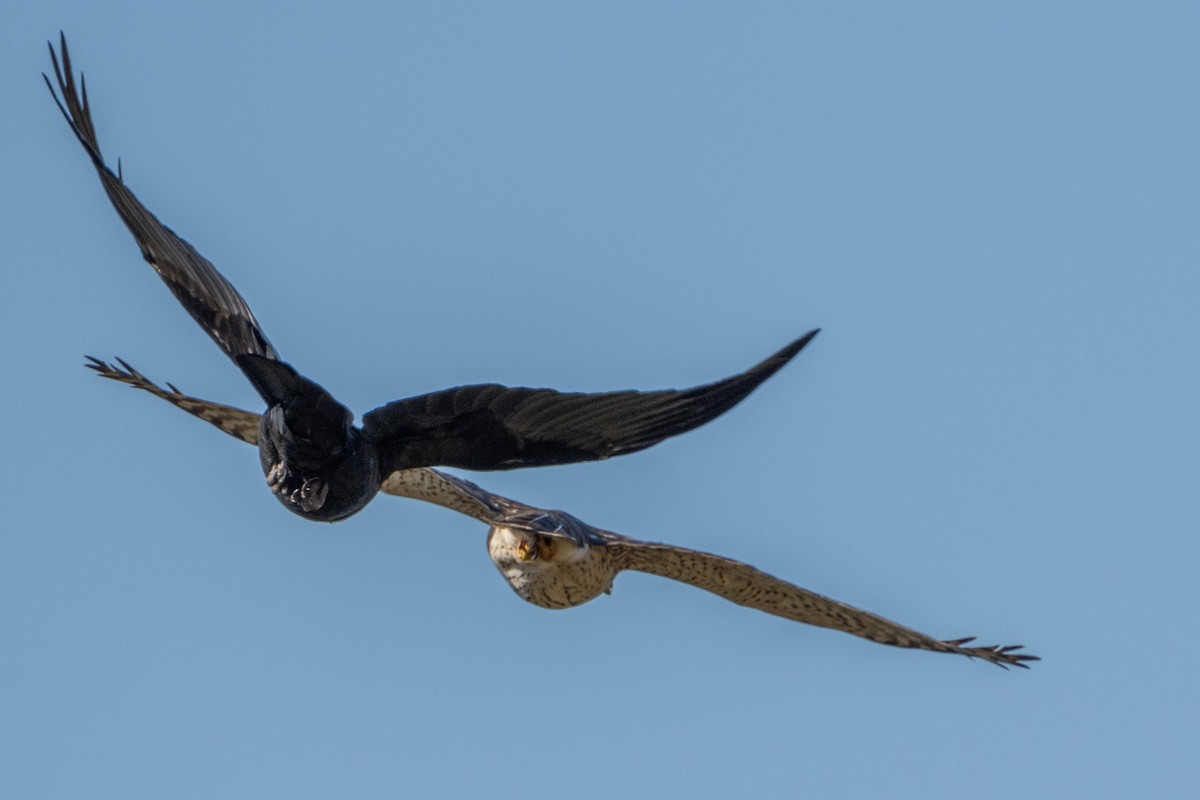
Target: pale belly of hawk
[[550, 571]]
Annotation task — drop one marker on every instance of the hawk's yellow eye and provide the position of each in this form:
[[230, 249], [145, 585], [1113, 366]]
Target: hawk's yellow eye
[[527, 550]]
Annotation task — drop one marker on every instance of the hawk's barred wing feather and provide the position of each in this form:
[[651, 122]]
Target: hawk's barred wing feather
[[239, 424], [447, 491], [743, 584]]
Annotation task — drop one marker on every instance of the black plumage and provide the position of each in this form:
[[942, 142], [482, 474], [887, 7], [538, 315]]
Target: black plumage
[[322, 467]]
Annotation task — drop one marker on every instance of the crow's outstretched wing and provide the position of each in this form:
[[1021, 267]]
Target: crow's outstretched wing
[[492, 427], [208, 297]]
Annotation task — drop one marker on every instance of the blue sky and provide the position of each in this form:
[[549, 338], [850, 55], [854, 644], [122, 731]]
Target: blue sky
[[991, 212]]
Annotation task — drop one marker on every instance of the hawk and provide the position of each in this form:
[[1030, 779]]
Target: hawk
[[555, 560], [323, 467]]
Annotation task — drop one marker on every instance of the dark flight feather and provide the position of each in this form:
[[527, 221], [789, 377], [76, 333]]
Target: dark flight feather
[[488, 427], [208, 297]]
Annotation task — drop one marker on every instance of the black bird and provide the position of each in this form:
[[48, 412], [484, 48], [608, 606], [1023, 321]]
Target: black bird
[[322, 467]]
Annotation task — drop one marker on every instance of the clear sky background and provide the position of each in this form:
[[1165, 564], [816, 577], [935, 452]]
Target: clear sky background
[[990, 210]]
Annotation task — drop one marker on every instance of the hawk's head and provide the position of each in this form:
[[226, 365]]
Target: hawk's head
[[549, 570]]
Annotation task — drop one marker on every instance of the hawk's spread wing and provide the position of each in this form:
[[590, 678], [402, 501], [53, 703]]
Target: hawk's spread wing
[[743, 584], [447, 491], [490, 427], [237, 423], [597, 555], [208, 297]]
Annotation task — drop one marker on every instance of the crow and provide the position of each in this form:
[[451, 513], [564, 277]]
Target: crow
[[323, 467]]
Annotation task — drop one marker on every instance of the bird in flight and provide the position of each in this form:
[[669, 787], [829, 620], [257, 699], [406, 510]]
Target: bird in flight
[[555, 560], [324, 468]]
